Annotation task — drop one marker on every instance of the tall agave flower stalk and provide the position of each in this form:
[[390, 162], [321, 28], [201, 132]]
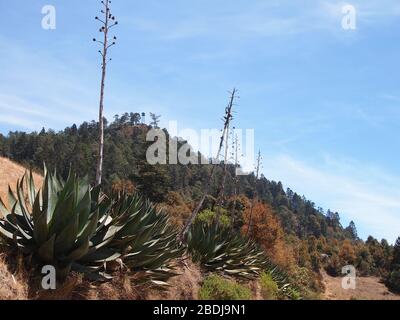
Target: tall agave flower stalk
[[73, 226]]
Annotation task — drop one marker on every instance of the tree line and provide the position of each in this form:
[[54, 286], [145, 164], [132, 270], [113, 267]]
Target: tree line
[[303, 226]]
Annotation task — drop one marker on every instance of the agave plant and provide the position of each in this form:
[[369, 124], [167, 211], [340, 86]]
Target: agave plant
[[219, 249], [282, 279], [148, 240], [56, 223], [71, 225]]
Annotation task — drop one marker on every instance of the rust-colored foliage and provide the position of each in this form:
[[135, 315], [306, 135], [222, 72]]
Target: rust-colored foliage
[[176, 207], [267, 231], [124, 186], [347, 253]]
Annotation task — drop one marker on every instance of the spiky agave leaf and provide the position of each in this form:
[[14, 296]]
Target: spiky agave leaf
[[56, 223], [71, 225], [148, 239], [218, 249]]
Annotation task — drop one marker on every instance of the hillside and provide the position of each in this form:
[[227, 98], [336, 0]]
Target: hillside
[[303, 240], [125, 165], [10, 172], [367, 288]]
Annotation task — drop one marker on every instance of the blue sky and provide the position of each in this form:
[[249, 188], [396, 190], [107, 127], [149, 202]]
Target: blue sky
[[324, 101]]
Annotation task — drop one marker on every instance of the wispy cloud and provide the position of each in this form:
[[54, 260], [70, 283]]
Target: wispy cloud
[[38, 89], [363, 193], [262, 19]]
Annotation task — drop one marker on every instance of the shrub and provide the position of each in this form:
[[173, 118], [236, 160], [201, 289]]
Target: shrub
[[267, 231], [208, 216], [394, 281], [176, 208], [334, 267], [217, 288], [269, 288]]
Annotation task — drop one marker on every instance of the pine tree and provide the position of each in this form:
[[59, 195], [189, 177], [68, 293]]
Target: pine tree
[[155, 120], [352, 231], [396, 254]]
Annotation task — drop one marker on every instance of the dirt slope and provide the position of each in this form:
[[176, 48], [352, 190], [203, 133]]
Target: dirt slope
[[10, 172], [369, 288]]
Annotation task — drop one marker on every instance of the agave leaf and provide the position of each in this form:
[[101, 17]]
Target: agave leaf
[[66, 239], [11, 197], [6, 232], [80, 252], [46, 251], [3, 209], [84, 208], [63, 213], [40, 228], [30, 186], [36, 208], [22, 206], [88, 231]]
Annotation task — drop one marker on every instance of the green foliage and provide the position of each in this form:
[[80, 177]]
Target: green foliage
[[208, 216], [125, 148], [334, 266], [394, 280], [148, 240], [287, 288], [396, 254], [394, 276], [57, 223], [269, 288], [72, 226], [217, 288], [219, 249]]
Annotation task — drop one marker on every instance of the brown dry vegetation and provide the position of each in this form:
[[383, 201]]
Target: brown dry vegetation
[[268, 232], [10, 172], [185, 286], [12, 286], [367, 288]]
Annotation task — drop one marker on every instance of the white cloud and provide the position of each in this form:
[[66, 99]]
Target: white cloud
[[262, 19], [360, 192]]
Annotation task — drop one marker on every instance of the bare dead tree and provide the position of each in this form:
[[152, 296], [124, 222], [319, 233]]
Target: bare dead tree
[[221, 191], [235, 153], [253, 201], [227, 119], [107, 22]]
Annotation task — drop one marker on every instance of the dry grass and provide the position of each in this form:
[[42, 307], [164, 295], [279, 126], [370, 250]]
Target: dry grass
[[12, 286], [185, 286], [76, 288], [367, 288], [10, 172]]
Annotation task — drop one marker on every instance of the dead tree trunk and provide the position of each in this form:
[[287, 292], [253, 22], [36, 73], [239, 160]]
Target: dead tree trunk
[[227, 119], [255, 193], [236, 180], [221, 192]]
